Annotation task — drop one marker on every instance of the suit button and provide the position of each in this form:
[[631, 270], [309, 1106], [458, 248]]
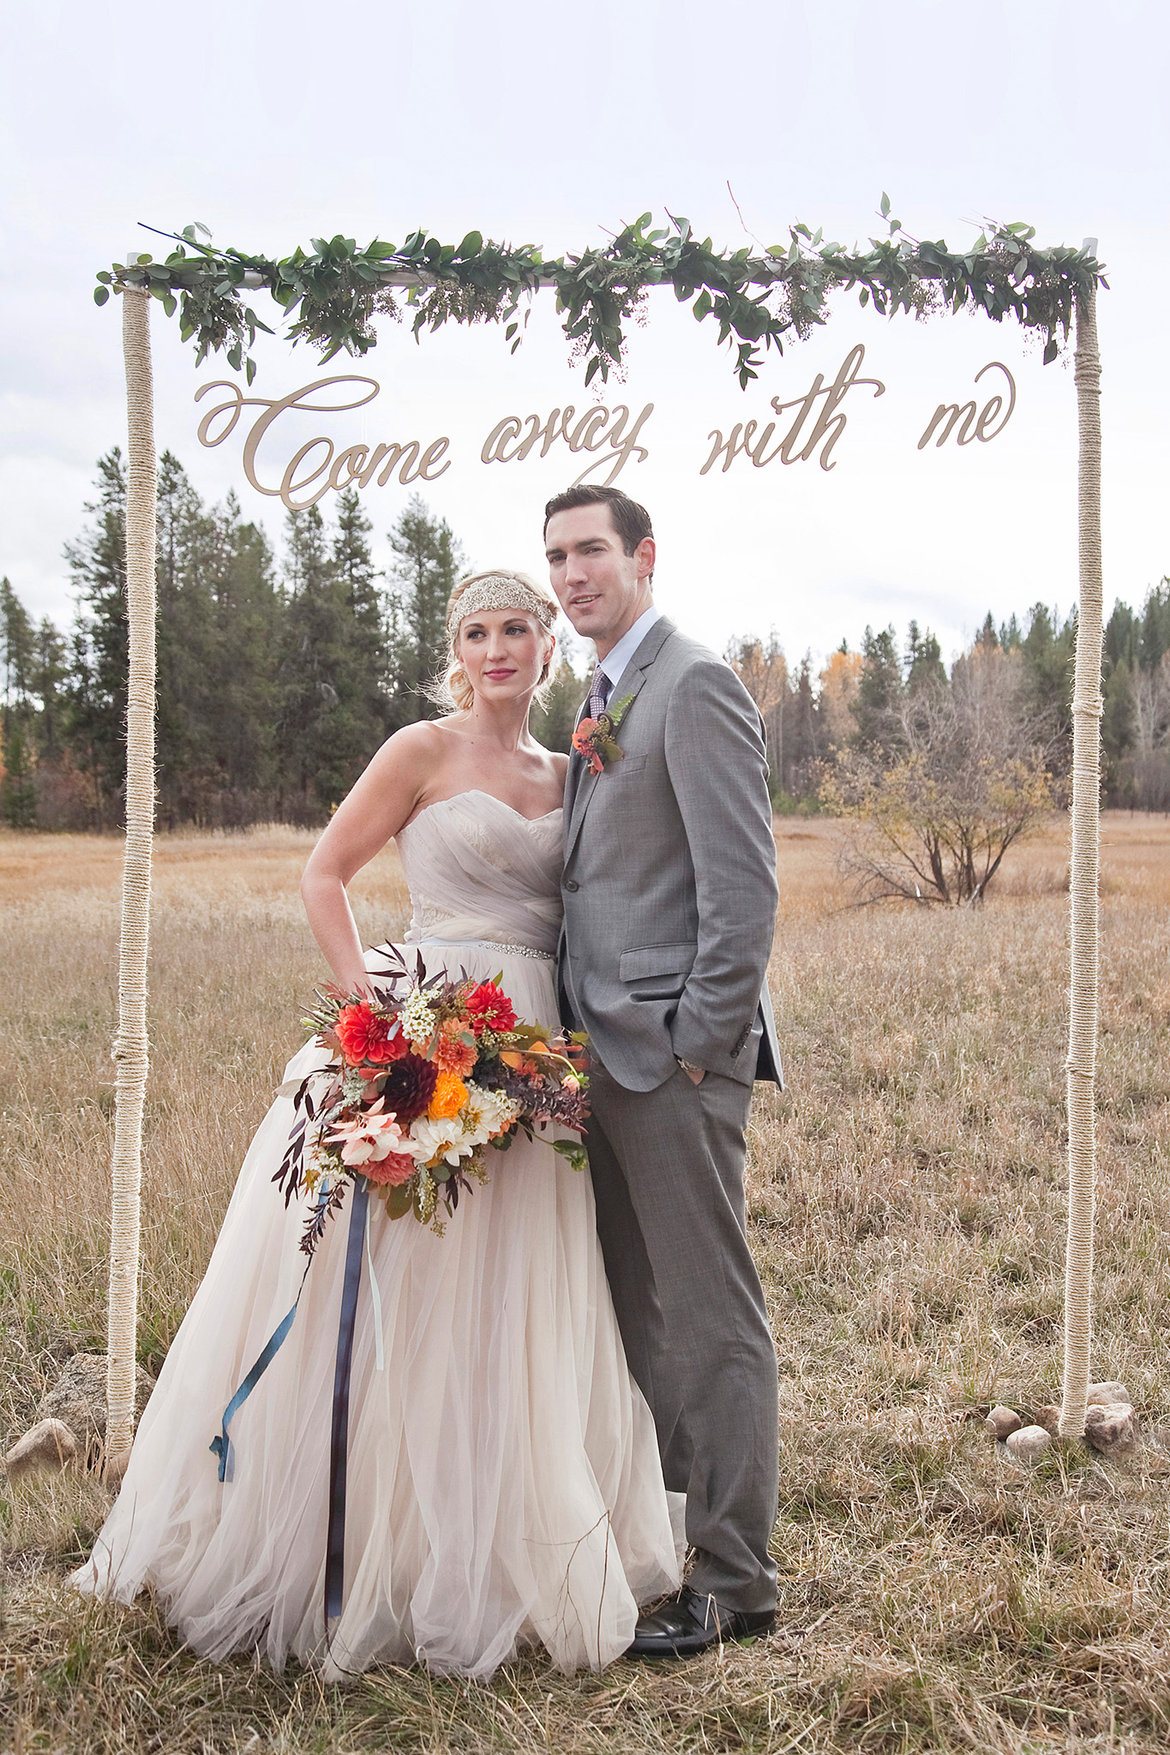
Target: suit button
[[572, 884]]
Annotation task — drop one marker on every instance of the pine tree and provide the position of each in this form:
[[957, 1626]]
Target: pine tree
[[49, 672], [331, 716], [1122, 638], [17, 794], [369, 657], [188, 684], [879, 692], [1048, 649], [987, 636], [96, 695], [1155, 631], [428, 561], [249, 613], [17, 649], [924, 666], [805, 735], [1118, 723], [553, 721], [18, 799]]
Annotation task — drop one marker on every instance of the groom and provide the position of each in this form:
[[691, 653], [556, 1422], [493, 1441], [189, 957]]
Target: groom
[[670, 894]]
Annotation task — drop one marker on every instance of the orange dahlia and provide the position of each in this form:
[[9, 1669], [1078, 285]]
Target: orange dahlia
[[451, 1054], [449, 1098]]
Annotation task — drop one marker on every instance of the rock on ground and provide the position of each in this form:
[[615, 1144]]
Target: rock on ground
[[1111, 1428], [1028, 1444], [1002, 1422], [78, 1398], [48, 1444]]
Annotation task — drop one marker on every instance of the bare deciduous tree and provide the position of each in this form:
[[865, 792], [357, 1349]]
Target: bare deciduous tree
[[971, 777]]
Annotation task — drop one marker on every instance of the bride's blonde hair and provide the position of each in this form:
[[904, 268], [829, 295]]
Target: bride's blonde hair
[[496, 588]]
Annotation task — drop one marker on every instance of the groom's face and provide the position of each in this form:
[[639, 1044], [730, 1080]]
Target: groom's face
[[601, 588]]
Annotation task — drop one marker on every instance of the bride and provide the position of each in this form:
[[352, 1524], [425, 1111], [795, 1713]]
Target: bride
[[504, 1487]]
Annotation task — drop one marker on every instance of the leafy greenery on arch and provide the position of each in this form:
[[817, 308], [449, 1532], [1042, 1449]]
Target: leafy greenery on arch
[[334, 291]]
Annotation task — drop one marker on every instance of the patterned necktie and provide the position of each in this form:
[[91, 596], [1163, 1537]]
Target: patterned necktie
[[598, 693]]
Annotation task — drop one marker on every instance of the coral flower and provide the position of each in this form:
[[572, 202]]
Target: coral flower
[[449, 1098], [586, 730], [364, 1036], [395, 1169]]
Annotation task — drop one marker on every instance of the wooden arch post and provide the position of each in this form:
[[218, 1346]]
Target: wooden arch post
[[131, 1046], [1084, 866]]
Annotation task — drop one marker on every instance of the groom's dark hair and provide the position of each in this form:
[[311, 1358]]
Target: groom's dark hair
[[630, 520]]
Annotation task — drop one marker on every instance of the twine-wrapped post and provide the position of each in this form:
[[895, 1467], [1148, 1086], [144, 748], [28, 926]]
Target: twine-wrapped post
[[131, 1047], [1084, 862]]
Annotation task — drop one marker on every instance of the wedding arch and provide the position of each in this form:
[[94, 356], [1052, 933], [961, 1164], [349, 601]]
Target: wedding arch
[[331, 296]]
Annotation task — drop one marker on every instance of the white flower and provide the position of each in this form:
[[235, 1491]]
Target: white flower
[[439, 1141], [487, 1113], [417, 1019]]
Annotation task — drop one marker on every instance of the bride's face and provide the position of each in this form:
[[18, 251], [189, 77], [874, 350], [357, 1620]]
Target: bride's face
[[503, 652]]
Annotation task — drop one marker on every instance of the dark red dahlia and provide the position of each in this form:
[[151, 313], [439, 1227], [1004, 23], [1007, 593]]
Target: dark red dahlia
[[409, 1087]]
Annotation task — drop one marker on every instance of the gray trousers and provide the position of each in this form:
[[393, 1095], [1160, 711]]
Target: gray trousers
[[667, 1169]]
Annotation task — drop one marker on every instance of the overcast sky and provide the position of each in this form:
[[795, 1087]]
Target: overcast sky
[[274, 123]]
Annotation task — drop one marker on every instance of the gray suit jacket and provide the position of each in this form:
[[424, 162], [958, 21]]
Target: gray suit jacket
[[670, 875]]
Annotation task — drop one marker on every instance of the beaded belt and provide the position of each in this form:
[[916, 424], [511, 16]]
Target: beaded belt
[[484, 944]]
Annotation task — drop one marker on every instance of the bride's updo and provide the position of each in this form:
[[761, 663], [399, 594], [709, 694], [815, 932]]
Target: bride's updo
[[498, 588]]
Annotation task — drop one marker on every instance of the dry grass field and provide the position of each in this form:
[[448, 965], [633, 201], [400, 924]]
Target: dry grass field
[[906, 1197]]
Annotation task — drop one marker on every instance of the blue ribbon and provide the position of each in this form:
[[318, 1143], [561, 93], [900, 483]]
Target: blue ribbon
[[222, 1446], [339, 1436]]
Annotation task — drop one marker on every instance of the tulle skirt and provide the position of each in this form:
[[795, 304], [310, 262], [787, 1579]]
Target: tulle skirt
[[504, 1486]]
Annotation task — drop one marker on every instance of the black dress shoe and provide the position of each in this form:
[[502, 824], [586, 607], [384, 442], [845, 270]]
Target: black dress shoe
[[688, 1623]]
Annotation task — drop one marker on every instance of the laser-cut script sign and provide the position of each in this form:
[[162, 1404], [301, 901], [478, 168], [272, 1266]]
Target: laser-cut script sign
[[805, 427]]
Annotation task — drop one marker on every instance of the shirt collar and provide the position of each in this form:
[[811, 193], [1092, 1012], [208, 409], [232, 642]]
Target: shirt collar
[[616, 660]]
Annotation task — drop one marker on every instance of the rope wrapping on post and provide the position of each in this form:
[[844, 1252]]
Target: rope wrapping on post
[[1084, 865], [131, 1046]]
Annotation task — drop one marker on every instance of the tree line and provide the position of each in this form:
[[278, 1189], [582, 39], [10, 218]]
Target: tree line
[[280, 673]]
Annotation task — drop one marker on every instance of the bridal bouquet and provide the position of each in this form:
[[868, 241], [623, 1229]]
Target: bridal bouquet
[[424, 1079]]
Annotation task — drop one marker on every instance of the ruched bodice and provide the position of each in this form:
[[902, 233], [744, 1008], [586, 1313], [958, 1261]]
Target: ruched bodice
[[480, 871]]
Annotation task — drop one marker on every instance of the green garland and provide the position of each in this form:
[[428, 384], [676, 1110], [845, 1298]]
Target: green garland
[[758, 301]]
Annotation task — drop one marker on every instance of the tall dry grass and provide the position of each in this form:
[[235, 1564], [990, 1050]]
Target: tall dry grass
[[906, 1196]]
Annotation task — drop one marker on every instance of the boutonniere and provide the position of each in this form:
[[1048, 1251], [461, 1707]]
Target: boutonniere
[[595, 740]]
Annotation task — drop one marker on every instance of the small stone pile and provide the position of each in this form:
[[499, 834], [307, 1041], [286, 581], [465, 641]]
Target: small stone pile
[[70, 1427], [1110, 1425]]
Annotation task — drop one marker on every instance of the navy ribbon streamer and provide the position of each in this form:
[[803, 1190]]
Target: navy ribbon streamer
[[339, 1436], [221, 1446]]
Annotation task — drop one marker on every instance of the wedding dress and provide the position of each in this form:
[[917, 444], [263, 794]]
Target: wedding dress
[[504, 1486]]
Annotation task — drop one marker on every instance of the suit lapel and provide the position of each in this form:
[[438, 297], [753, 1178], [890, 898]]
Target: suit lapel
[[627, 688], [574, 776]]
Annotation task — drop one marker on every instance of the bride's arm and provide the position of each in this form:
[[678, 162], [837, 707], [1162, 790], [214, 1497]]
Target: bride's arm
[[384, 797]]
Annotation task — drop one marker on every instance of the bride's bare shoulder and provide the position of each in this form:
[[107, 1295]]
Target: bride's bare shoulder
[[421, 744]]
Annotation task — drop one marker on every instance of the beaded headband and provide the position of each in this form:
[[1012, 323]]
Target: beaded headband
[[500, 591]]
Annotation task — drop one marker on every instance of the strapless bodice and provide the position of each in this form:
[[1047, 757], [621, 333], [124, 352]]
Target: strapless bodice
[[478, 870]]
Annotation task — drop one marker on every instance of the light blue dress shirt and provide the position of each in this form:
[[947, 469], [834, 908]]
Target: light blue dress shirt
[[615, 661]]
